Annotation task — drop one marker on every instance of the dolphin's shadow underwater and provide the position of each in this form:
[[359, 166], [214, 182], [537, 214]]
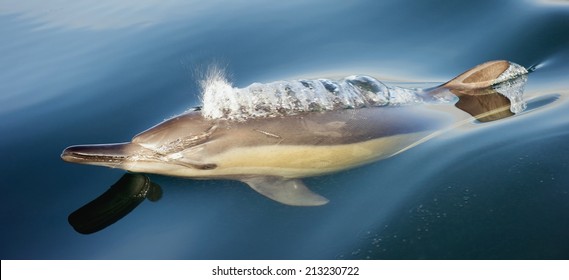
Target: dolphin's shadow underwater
[[270, 136]]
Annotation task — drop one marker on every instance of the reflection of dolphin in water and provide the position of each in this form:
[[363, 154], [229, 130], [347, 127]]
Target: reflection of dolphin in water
[[270, 136]]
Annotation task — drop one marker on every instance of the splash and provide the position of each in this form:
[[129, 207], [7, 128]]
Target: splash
[[281, 98], [513, 89], [284, 98], [514, 70]]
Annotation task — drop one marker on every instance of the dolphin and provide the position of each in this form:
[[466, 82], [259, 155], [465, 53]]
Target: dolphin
[[271, 142]]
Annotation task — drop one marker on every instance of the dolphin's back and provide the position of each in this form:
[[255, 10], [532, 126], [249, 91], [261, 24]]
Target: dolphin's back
[[337, 127]]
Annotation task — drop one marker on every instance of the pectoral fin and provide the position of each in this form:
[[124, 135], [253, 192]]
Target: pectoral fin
[[122, 197], [287, 191]]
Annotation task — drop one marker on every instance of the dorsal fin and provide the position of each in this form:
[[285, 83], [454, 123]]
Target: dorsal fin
[[488, 92], [486, 75]]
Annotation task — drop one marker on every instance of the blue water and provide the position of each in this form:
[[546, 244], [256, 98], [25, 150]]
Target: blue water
[[99, 72]]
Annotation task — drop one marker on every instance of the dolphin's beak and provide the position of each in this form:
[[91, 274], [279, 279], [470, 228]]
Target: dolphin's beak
[[107, 155], [125, 156]]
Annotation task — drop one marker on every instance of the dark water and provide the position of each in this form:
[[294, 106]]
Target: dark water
[[90, 72]]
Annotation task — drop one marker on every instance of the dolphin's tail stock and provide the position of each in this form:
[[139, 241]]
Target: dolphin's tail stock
[[490, 91]]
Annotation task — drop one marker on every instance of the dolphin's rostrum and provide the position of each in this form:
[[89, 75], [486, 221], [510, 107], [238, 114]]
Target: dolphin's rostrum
[[270, 137]]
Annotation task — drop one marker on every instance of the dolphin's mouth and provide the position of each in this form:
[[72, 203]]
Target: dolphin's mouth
[[91, 154]]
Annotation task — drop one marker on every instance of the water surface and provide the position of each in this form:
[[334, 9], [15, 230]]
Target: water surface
[[100, 72]]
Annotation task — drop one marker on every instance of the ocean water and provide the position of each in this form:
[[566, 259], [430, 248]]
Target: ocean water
[[88, 71]]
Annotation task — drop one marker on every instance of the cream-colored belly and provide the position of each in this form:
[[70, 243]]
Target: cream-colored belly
[[295, 161]]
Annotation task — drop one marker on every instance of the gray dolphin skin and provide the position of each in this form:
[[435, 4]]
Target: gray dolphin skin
[[272, 153]]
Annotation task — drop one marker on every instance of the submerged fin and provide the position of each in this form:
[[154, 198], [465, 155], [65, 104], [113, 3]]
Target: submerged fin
[[125, 195], [287, 191]]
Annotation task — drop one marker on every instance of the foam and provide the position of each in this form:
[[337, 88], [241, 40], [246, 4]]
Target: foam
[[223, 101], [511, 84], [514, 70], [513, 89]]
